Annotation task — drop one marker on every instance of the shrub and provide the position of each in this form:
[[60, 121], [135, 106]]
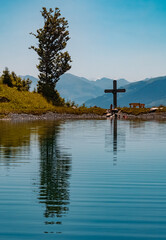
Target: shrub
[[12, 80]]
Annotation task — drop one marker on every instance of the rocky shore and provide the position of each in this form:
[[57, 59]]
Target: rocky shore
[[147, 116], [50, 116], [64, 116]]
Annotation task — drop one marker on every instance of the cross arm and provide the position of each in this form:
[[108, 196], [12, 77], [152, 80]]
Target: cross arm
[[108, 91], [114, 91], [121, 90]]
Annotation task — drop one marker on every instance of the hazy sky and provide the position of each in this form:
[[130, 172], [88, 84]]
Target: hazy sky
[[109, 38]]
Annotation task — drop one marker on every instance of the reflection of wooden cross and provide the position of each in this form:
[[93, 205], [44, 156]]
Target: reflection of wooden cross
[[114, 91]]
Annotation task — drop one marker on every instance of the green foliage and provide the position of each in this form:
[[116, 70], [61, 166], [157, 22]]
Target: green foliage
[[70, 104], [53, 61], [57, 100], [20, 84], [83, 105], [12, 80], [1, 82], [34, 90], [6, 77]]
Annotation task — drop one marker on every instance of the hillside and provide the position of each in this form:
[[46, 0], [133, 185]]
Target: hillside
[[150, 91], [12, 100]]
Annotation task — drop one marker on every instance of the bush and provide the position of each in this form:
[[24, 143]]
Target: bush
[[12, 80]]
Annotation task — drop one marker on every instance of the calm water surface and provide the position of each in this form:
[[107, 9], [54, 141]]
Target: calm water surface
[[90, 179]]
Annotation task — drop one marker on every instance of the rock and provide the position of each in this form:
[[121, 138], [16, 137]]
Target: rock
[[153, 109], [4, 99]]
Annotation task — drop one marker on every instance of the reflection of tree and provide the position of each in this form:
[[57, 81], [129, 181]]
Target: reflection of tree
[[137, 127], [137, 124], [54, 174]]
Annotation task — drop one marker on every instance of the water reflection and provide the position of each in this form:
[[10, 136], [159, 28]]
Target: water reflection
[[115, 138], [137, 125], [18, 140], [126, 202], [55, 167], [14, 140]]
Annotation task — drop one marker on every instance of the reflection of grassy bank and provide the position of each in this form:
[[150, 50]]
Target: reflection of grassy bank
[[34, 103], [14, 138]]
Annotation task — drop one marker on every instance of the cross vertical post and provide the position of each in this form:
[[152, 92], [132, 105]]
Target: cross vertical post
[[114, 91]]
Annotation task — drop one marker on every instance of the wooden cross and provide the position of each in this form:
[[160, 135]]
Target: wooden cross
[[114, 91]]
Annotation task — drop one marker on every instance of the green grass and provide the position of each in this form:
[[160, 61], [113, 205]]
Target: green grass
[[22, 102], [81, 110], [34, 103], [135, 111]]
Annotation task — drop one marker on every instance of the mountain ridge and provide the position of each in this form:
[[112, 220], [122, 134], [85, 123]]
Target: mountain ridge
[[79, 89], [151, 92]]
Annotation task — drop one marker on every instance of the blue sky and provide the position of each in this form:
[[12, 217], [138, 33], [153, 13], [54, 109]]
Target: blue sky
[[109, 38]]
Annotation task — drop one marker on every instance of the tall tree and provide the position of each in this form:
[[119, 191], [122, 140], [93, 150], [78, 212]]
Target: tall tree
[[53, 61], [6, 78]]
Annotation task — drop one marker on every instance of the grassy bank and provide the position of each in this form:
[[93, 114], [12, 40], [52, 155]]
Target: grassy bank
[[14, 101], [135, 111]]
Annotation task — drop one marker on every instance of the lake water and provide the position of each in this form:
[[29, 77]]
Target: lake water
[[82, 180]]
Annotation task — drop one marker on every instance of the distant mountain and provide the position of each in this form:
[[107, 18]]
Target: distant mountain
[[152, 92], [79, 89], [33, 79], [107, 83]]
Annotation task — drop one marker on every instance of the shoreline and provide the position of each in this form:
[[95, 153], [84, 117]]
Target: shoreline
[[49, 116], [146, 116], [65, 116]]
